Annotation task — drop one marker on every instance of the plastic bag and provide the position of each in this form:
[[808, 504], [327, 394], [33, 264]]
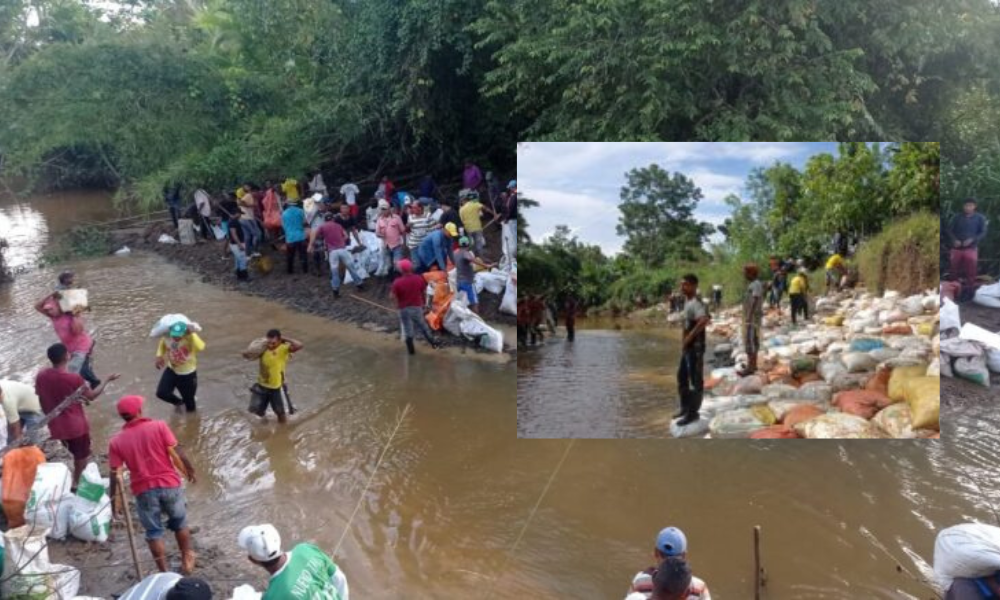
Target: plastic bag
[[166, 321], [923, 394], [838, 426], [166, 239], [27, 572], [509, 303], [950, 318], [696, 429], [493, 282], [969, 550], [246, 592], [739, 423], [52, 484]]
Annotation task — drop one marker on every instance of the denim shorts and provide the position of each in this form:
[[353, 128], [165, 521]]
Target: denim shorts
[[156, 502], [470, 292]]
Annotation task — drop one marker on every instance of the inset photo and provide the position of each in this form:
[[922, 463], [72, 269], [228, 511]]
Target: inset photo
[[731, 290]]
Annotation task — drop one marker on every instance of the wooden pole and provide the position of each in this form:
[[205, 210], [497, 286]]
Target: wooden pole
[[758, 570], [128, 523], [375, 304]]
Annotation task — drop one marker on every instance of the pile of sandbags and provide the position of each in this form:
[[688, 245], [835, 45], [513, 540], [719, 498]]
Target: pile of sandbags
[[85, 515], [864, 367], [27, 572], [462, 322]]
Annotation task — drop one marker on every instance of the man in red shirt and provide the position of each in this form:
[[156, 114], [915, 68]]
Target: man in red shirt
[[410, 292], [149, 450], [55, 384], [72, 332], [335, 237]]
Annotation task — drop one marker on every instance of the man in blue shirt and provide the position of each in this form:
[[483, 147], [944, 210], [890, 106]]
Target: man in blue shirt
[[293, 221], [435, 249], [966, 231]]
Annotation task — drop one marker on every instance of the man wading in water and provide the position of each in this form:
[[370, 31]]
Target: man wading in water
[[271, 379], [690, 374]]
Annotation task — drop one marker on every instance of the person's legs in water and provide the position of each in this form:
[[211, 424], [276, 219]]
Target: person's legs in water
[[416, 317], [165, 389], [187, 385], [87, 372]]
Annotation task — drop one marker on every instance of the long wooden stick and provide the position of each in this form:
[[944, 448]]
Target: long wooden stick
[[758, 570], [375, 304], [74, 398], [128, 523]]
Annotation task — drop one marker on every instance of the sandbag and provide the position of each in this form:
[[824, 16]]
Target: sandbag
[[898, 379], [866, 344], [834, 321], [20, 467], [509, 303], [800, 414], [988, 295], [473, 327], [778, 390], [838, 426], [969, 550], [932, 303], [858, 362], [862, 403], [934, 369], [816, 392], [764, 414], [27, 572], [913, 306], [166, 321], [256, 349], [72, 300], [90, 512], [897, 329], [883, 354], [849, 381], [52, 484], [493, 282], [829, 370], [923, 394], [437, 286], [739, 423], [696, 429], [895, 421], [805, 364], [782, 407], [879, 382], [751, 384], [774, 432], [972, 368]]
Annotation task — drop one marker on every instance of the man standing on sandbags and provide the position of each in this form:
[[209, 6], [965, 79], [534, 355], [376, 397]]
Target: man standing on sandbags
[[753, 317], [690, 374], [966, 231], [150, 452], [178, 352]]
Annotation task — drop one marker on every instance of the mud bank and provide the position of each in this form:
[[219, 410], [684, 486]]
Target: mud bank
[[310, 292], [957, 393]]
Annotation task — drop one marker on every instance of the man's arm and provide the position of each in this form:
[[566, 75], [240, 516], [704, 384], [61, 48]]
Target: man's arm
[[294, 345], [981, 230], [92, 394], [699, 326], [177, 453], [49, 311], [14, 431]]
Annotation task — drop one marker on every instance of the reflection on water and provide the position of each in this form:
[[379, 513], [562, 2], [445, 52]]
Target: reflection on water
[[27, 231]]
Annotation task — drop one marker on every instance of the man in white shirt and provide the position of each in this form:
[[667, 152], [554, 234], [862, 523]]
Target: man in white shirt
[[22, 409], [671, 543], [349, 192]]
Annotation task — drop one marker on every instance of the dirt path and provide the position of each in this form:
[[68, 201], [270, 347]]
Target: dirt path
[[311, 292]]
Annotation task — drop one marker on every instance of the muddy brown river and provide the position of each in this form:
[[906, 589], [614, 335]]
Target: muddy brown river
[[457, 485]]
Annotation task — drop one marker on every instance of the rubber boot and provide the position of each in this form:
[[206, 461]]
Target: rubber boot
[[409, 345]]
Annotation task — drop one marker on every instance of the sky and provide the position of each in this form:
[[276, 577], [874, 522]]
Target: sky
[[578, 183]]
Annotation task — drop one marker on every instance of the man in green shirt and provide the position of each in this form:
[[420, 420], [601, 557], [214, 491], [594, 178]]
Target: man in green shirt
[[304, 573]]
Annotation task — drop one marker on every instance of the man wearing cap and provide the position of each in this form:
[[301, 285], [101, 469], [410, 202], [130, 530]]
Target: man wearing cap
[[178, 352], [22, 409], [293, 221], [391, 230], [508, 221], [435, 250], [671, 543], [671, 581], [150, 452], [409, 290], [965, 231], [335, 238], [55, 384], [464, 275], [471, 213], [303, 573], [169, 586]]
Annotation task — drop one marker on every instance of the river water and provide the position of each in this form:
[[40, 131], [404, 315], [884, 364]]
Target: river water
[[456, 487]]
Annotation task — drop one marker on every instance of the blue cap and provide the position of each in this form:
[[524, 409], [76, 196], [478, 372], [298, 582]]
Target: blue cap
[[671, 542], [512, 184]]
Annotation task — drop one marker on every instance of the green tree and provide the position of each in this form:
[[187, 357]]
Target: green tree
[[657, 216]]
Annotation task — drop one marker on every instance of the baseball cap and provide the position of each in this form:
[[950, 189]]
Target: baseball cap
[[130, 406], [512, 184], [261, 542], [406, 266], [463, 241], [671, 542], [178, 329], [190, 588], [451, 229]]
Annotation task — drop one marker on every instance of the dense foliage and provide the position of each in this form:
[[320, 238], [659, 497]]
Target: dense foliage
[[882, 195], [212, 92]]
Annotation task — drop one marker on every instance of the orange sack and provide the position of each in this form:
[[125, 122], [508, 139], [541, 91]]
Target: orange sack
[[862, 403], [441, 302], [19, 468], [774, 432], [800, 414]]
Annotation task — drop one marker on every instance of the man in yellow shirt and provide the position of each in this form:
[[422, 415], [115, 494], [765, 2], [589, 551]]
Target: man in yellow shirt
[[178, 352], [291, 189], [797, 291], [271, 379], [835, 270], [471, 214]]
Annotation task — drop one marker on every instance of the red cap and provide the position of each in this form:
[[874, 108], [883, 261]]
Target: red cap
[[130, 406], [405, 266]]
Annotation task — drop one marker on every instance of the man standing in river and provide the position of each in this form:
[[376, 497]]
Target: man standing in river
[[72, 332], [271, 379], [410, 292], [690, 374], [177, 355]]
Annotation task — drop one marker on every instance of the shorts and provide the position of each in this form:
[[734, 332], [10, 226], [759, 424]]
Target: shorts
[[470, 292], [154, 503], [751, 338], [79, 447]]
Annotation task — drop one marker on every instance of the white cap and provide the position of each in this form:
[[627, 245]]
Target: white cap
[[261, 542]]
